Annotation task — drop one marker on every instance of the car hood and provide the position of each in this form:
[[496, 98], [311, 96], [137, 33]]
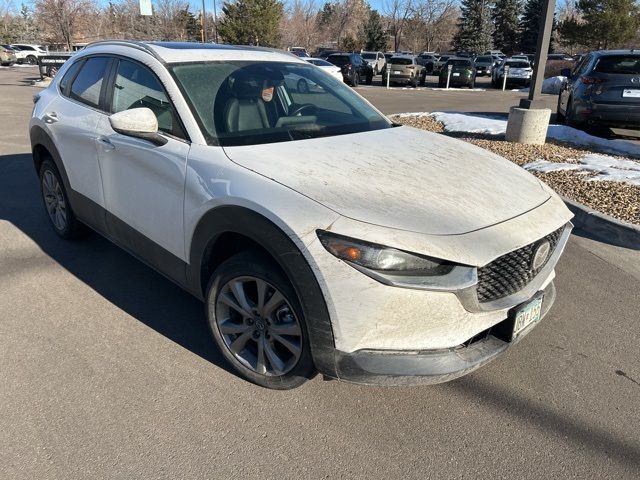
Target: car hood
[[401, 178]]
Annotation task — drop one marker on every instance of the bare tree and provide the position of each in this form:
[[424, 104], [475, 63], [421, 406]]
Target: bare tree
[[398, 13], [299, 26], [61, 20]]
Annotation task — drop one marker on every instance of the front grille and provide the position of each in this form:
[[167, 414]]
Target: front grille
[[510, 273]]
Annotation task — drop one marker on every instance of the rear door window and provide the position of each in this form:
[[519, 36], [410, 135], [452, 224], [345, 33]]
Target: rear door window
[[87, 86]]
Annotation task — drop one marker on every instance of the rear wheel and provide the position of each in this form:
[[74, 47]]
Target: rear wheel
[[257, 322], [32, 59], [56, 202]]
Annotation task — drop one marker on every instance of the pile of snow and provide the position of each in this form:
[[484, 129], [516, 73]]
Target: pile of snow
[[468, 122], [553, 85], [609, 169]]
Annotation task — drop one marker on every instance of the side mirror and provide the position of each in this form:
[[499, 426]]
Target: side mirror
[[565, 72], [139, 123]]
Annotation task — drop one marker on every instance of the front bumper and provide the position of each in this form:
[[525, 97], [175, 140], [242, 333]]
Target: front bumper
[[432, 366]]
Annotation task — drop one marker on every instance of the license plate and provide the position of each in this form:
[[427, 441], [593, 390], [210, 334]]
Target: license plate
[[397, 72], [630, 92], [456, 74], [527, 314]]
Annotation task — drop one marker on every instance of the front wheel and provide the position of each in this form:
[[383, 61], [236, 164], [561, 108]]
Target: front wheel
[[257, 322], [356, 80]]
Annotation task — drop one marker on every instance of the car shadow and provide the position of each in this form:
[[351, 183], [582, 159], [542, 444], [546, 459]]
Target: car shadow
[[120, 278]]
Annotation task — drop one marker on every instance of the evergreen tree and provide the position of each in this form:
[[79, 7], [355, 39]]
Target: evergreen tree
[[530, 26], [475, 27], [506, 14], [251, 22], [373, 33], [603, 24]]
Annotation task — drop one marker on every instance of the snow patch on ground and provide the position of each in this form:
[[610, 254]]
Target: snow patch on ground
[[468, 122], [454, 89], [608, 169]]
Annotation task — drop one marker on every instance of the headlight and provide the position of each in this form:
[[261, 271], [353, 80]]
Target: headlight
[[382, 259]]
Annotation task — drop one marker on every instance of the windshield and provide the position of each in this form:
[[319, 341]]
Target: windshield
[[518, 64], [625, 64], [484, 60], [249, 103], [369, 56], [401, 61]]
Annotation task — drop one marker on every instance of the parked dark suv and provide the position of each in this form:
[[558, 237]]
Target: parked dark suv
[[603, 90], [354, 68]]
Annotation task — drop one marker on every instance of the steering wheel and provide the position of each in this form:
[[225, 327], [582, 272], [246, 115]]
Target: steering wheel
[[302, 108]]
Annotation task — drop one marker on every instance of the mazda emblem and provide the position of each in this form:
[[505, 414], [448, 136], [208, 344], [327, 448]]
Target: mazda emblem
[[540, 255], [635, 80]]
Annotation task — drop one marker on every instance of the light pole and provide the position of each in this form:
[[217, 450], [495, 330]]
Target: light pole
[[528, 123], [542, 48], [215, 20], [204, 23]]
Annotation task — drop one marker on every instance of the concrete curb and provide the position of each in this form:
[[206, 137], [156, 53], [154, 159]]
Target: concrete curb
[[603, 227]]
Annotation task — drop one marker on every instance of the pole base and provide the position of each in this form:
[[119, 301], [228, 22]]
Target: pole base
[[528, 125]]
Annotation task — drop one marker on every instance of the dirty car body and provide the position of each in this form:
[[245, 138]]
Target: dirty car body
[[310, 254]]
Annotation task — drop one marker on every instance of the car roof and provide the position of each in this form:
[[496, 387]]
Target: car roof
[[602, 53], [180, 52]]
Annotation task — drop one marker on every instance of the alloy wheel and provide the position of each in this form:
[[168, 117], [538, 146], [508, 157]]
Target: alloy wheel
[[258, 326], [54, 200]]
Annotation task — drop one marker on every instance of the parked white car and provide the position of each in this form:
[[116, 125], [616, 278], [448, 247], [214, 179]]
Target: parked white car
[[29, 53], [417, 264], [330, 68], [376, 61], [519, 73]]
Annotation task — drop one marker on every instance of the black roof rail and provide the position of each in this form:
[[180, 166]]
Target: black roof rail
[[138, 45]]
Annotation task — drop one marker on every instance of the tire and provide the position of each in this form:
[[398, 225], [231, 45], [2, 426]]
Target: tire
[[32, 59], [302, 86], [441, 84], [56, 203], [369, 79], [279, 367], [356, 80]]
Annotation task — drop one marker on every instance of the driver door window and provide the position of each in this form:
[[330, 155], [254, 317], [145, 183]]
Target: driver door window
[[137, 87]]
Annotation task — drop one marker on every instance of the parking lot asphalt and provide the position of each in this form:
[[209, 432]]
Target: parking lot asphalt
[[484, 99], [107, 371]]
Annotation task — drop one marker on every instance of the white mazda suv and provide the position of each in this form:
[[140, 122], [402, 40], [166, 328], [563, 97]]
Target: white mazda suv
[[417, 265]]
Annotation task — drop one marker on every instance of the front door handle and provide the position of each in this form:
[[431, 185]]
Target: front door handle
[[105, 143], [50, 117]]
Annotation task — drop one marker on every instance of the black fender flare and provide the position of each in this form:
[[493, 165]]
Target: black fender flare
[[40, 138], [248, 223]]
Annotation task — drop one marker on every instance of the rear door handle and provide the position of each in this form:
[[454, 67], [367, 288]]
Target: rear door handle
[[50, 117], [105, 143]]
